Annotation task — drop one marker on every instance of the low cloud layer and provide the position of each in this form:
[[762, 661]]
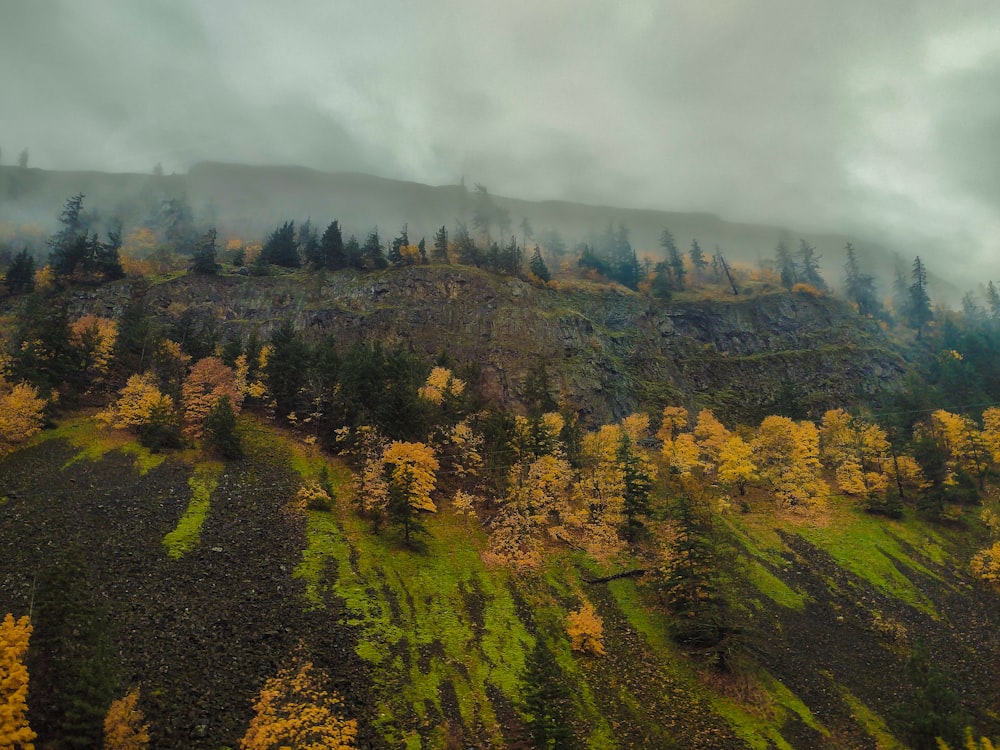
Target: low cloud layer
[[875, 118]]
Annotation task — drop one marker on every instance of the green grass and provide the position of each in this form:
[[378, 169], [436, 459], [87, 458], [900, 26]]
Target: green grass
[[426, 618], [92, 442], [187, 535], [871, 722], [870, 548]]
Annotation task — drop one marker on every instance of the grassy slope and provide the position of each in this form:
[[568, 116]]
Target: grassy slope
[[836, 599]]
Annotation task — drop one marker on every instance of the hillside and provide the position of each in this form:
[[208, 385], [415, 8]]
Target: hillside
[[609, 351], [489, 512], [428, 647], [251, 201]]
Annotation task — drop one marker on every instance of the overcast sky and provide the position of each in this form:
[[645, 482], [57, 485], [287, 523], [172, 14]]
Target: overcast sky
[[877, 116]]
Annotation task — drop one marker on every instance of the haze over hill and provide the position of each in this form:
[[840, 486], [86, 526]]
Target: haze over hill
[[250, 201]]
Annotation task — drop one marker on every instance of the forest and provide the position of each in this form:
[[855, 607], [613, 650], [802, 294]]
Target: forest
[[682, 517]]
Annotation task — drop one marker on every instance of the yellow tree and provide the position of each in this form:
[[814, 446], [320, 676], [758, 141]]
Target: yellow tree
[[138, 401], [21, 414], [675, 419], [210, 379], [585, 629], [964, 442], [94, 337], [125, 727], [787, 457], [711, 435], [736, 464], [991, 432], [441, 384], [295, 710], [15, 733], [857, 451], [418, 460]]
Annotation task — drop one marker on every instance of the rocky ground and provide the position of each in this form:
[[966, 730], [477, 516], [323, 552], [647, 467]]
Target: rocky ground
[[201, 632]]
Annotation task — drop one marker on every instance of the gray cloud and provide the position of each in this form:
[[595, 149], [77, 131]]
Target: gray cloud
[[878, 118]]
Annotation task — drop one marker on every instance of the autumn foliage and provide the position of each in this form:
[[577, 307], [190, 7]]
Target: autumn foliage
[[585, 629], [294, 710], [125, 727], [21, 414], [14, 730], [210, 379]]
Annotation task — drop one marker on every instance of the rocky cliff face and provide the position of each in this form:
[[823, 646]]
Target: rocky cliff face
[[608, 351]]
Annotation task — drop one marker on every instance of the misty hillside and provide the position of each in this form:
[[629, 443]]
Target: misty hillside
[[250, 201]]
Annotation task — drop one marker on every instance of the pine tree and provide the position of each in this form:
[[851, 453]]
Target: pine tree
[[20, 276], [547, 700], [372, 254], [698, 262], [637, 477], [69, 247], [204, 259], [398, 243], [920, 313], [860, 287], [674, 259], [286, 368], [329, 252], [281, 248], [537, 265], [809, 265], [786, 266], [308, 242], [440, 252], [934, 710], [220, 430]]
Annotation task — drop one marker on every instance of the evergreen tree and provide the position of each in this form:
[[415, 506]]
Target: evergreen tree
[[860, 287], [662, 286], [638, 483], [934, 711], [786, 266], [286, 368], [20, 276], [204, 259], [22, 159], [674, 260], [398, 243], [698, 261], [353, 254], [809, 265], [280, 248], [440, 252], [625, 265], [107, 258], [72, 663], [993, 301], [220, 430], [468, 253], [40, 349], [422, 249], [920, 304], [537, 265], [68, 248], [399, 509], [136, 341], [374, 258], [308, 242], [547, 700], [330, 251]]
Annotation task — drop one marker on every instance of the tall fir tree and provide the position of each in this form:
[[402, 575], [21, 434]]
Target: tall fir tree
[[439, 254], [920, 313]]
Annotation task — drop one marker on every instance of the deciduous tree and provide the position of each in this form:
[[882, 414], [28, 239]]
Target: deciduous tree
[[125, 726], [295, 710], [14, 730]]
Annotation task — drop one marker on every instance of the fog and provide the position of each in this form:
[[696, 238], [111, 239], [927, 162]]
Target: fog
[[878, 119]]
